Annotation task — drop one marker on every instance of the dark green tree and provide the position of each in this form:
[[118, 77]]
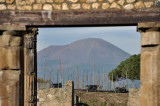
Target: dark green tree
[[131, 66]]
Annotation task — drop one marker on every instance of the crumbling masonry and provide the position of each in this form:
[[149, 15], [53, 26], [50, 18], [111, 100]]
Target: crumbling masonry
[[18, 68]]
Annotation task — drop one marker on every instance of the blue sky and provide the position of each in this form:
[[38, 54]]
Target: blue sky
[[126, 38]]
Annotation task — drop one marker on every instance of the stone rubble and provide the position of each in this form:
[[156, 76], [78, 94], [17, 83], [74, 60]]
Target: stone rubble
[[56, 96]]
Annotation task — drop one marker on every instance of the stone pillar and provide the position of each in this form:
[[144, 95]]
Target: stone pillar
[[30, 67], [69, 88], [150, 64], [11, 68]]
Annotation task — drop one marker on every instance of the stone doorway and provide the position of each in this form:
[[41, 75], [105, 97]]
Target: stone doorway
[[18, 65]]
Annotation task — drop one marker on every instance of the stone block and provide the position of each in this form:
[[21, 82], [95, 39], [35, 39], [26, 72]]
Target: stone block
[[111, 1], [128, 6], [11, 7], [16, 41], [69, 84], [3, 7], [47, 7], [105, 6], [86, 6], [130, 1], [121, 2], [82, 1], [37, 6], [41, 1], [9, 89], [59, 1], [8, 40], [73, 1], [100, 0], [150, 60], [90, 1], [49, 1], [10, 57], [21, 8], [20, 2], [139, 5], [114, 5], [9, 1], [56, 7], [96, 5], [148, 4], [30, 2], [65, 6], [150, 38], [75, 6]]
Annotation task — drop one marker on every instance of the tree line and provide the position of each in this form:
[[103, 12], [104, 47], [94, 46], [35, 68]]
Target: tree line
[[130, 68]]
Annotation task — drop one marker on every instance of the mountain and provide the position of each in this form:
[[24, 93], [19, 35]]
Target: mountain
[[82, 53]]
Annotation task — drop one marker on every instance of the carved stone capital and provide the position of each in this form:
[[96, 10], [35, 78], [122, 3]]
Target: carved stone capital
[[30, 38]]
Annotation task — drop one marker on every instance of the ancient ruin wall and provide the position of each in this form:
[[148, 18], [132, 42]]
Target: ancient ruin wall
[[52, 5], [133, 99], [56, 96]]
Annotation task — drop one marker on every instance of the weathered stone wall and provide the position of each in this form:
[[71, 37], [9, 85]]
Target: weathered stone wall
[[56, 96], [49, 5], [150, 64], [133, 99], [10, 68]]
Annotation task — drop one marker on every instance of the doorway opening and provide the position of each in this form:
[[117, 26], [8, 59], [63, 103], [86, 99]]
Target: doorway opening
[[86, 55]]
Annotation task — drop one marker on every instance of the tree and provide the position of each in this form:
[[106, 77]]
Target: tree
[[131, 66]]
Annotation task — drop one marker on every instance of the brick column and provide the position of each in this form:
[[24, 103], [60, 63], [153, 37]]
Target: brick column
[[30, 67], [11, 69], [150, 64]]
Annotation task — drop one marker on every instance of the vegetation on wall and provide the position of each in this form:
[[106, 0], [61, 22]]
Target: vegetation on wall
[[130, 68]]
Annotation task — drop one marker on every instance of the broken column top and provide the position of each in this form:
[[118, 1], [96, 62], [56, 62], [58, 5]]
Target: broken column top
[[148, 26]]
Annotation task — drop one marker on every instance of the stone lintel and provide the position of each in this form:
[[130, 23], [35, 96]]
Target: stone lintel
[[13, 27]]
